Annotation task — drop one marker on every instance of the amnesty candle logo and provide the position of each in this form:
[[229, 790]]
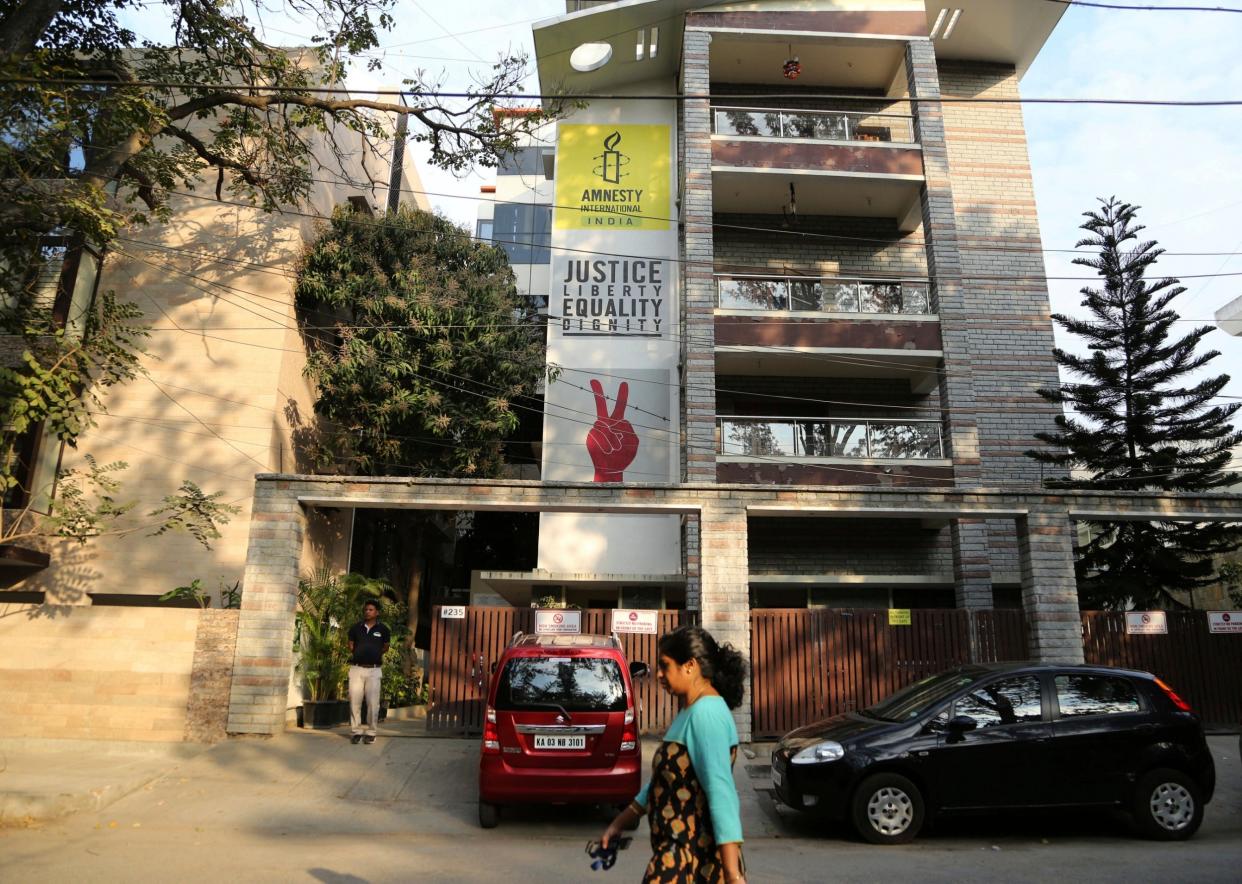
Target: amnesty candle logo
[[612, 177]]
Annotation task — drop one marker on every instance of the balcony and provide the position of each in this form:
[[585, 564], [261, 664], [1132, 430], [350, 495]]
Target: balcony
[[836, 451], [858, 438], [833, 161], [827, 327], [818, 125], [824, 295]]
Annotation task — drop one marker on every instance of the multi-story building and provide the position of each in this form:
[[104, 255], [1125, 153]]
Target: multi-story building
[[780, 258]]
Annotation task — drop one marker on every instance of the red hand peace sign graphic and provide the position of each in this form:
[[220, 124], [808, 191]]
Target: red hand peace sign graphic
[[611, 442]]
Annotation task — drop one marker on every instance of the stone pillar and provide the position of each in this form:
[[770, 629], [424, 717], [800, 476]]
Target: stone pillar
[[725, 599], [1049, 587], [211, 678], [691, 560], [698, 330], [971, 564], [269, 596]]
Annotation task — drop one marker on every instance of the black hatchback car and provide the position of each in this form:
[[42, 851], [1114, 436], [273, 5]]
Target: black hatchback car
[[1008, 735]]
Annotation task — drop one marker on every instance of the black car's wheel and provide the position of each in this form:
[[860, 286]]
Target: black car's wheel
[[887, 809], [1167, 805], [489, 815]]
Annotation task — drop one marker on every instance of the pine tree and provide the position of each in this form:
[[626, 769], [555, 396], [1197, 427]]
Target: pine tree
[[1138, 419]]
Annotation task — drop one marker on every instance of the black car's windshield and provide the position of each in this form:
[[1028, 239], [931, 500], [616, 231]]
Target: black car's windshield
[[579, 684], [912, 701]]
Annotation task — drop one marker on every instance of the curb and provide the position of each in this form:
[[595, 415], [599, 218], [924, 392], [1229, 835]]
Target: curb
[[18, 808]]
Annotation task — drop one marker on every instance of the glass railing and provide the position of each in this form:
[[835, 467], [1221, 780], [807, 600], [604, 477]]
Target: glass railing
[[823, 295], [838, 437], [825, 125]]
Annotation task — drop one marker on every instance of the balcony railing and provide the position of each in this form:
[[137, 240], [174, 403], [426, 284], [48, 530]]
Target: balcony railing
[[826, 125], [823, 295], [839, 437]]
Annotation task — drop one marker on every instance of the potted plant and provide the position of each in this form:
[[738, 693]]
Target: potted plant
[[327, 605]]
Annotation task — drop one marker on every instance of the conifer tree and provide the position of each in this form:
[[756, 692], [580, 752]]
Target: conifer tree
[[1139, 416]]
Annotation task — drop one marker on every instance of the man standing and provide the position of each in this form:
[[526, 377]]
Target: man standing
[[368, 642]]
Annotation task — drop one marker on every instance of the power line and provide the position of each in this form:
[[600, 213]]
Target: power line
[[1129, 8], [589, 96], [963, 277]]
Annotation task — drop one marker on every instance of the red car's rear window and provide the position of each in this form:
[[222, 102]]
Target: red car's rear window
[[577, 683]]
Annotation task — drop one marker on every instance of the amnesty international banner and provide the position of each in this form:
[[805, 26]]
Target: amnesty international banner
[[612, 177]]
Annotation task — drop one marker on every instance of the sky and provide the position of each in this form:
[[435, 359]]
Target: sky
[[1183, 166]]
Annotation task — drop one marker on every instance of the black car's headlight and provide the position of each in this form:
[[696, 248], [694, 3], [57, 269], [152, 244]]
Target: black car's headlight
[[818, 753]]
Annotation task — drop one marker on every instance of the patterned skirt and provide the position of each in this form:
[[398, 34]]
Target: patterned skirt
[[683, 843]]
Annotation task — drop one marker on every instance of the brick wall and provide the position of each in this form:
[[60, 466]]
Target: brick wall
[[211, 678], [1008, 323], [845, 546], [99, 673], [819, 245]]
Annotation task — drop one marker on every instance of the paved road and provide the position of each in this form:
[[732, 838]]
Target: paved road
[[312, 807]]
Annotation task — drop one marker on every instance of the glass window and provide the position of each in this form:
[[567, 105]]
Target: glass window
[[998, 703], [524, 232], [523, 161], [911, 702], [1095, 695], [484, 231], [580, 684]]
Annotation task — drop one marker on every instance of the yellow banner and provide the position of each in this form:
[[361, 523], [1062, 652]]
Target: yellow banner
[[612, 177], [898, 616]]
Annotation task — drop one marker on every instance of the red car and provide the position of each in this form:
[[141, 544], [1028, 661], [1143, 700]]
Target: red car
[[560, 726]]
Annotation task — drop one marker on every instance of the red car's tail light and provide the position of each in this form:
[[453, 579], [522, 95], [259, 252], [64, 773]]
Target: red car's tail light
[[1177, 701], [629, 734], [491, 733]]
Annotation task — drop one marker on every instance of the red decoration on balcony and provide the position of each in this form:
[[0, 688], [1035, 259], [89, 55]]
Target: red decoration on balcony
[[792, 68]]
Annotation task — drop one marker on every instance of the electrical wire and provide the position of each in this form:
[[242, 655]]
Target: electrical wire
[[189, 86]]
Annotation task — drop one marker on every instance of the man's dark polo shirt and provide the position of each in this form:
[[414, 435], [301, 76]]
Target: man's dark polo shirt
[[369, 643]]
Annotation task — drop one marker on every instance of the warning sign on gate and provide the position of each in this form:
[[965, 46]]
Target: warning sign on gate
[[558, 622], [629, 620], [1225, 621], [1146, 623], [899, 617]]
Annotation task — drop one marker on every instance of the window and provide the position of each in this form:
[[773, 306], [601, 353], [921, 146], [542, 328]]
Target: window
[[1010, 701], [580, 684], [483, 232], [1095, 695], [524, 232], [523, 161]]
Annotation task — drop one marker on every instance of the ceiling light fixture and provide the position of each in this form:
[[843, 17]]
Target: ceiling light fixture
[[792, 68]]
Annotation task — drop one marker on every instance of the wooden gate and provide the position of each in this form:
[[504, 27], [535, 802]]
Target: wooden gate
[[1205, 669], [809, 664], [463, 651]]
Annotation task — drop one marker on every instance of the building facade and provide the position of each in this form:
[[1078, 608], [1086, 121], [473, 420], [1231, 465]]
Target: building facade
[[853, 289]]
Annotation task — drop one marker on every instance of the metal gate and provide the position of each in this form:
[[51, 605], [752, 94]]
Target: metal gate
[[809, 664], [1204, 668], [463, 651]]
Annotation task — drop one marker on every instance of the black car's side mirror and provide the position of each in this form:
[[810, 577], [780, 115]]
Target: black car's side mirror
[[960, 724], [639, 670]]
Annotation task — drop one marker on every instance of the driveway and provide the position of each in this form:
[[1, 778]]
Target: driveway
[[310, 806]]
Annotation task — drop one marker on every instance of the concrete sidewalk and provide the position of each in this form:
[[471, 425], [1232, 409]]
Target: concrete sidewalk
[[44, 780]]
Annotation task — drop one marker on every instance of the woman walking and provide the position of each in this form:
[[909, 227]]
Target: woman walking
[[696, 827]]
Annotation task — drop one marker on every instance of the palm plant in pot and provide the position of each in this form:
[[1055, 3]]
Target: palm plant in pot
[[328, 604]]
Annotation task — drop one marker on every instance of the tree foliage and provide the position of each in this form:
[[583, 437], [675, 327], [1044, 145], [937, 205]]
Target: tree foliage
[[98, 128], [1139, 417], [90, 109], [425, 350]]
